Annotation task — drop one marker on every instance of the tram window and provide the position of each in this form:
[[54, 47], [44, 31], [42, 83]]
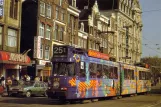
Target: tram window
[[132, 74], [99, 70], [115, 76], [148, 76], [111, 69], [125, 74], [142, 75], [92, 69], [105, 71], [63, 68], [82, 72], [128, 74]]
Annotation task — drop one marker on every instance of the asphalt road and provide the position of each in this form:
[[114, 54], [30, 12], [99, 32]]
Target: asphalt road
[[135, 101]]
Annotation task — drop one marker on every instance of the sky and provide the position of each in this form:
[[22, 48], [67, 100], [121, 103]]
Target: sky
[[151, 17]]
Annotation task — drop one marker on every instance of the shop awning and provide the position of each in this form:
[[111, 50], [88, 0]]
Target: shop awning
[[14, 58]]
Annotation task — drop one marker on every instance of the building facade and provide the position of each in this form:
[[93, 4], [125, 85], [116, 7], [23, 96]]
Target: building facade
[[37, 30], [125, 21], [11, 61], [97, 26], [72, 23], [50, 23]]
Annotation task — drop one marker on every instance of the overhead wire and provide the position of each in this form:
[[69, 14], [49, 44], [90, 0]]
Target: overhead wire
[[151, 48]]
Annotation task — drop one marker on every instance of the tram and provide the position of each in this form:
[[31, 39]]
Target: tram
[[79, 75]]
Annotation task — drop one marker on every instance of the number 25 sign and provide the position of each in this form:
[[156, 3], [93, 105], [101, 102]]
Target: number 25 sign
[[60, 50]]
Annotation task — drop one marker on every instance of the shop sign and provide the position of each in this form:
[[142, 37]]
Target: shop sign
[[37, 46], [17, 57], [43, 62], [97, 54]]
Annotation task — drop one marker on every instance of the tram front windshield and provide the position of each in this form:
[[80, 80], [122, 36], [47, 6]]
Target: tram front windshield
[[65, 69]]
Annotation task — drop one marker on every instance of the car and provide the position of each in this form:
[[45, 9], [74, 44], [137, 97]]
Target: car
[[28, 88], [1, 90]]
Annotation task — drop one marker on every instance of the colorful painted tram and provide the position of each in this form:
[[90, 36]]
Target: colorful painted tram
[[79, 75]]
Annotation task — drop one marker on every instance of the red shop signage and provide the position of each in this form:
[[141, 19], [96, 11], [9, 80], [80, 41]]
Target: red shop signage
[[14, 57]]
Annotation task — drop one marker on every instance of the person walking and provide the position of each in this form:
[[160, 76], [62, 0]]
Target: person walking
[[8, 85]]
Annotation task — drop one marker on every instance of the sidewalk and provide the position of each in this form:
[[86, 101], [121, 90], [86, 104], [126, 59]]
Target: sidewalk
[[156, 89]]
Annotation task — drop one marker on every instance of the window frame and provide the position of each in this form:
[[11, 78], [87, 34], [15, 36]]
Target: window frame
[[42, 8], [12, 38], [13, 9], [42, 29], [48, 32], [41, 51], [47, 49], [48, 15]]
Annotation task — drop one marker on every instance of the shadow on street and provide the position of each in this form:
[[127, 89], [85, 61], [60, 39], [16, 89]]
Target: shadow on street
[[32, 100]]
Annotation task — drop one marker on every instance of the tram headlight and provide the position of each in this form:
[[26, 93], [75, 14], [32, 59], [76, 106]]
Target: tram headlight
[[56, 84]]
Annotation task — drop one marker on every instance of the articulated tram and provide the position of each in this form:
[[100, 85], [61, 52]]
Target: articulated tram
[[78, 75]]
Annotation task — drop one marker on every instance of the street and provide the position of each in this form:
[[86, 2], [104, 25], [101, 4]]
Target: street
[[135, 101]]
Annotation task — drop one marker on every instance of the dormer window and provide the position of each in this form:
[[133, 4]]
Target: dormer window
[[74, 3]]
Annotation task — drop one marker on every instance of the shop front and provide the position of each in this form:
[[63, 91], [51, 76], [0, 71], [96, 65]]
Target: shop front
[[11, 64], [43, 69]]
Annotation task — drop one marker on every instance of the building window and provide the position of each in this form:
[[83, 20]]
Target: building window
[[82, 42], [48, 32], [105, 43], [91, 44], [13, 9], [57, 13], [42, 8], [61, 33], [41, 29], [85, 43], [1, 35], [41, 51], [60, 2], [79, 40], [48, 11], [73, 39], [47, 52], [69, 18], [62, 15], [12, 38], [56, 32]]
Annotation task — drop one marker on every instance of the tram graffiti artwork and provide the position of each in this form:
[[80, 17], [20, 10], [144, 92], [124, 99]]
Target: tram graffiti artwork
[[79, 75]]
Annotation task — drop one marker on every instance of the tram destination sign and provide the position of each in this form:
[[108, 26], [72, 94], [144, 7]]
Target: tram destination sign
[[60, 51], [98, 54]]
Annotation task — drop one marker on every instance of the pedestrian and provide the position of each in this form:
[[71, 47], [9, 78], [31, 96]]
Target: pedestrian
[[28, 78], [2, 81], [8, 85]]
